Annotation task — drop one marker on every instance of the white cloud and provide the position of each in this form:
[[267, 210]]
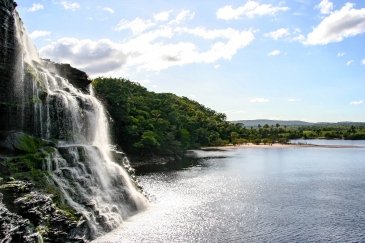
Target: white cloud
[[94, 57], [137, 25], [228, 33], [152, 50], [341, 54], [348, 63], [154, 56], [278, 34], [339, 25], [293, 99], [363, 61], [259, 100], [70, 5], [274, 53], [325, 6], [250, 9], [109, 10], [216, 66], [293, 35], [162, 16], [39, 33], [299, 37], [183, 16], [35, 7], [151, 46], [356, 102]]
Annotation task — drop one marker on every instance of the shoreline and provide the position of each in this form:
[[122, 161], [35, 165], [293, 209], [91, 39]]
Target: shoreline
[[277, 145], [139, 163]]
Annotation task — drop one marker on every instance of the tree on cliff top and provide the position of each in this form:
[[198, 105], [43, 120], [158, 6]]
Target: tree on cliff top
[[149, 123]]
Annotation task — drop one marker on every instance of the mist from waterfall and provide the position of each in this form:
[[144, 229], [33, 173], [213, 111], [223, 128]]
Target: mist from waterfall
[[82, 166]]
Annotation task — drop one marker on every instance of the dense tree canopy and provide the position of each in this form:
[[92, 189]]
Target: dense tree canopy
[[151, 123], [148, 123]]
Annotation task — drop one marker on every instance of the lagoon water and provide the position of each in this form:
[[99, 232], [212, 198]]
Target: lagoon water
[[294, 194]]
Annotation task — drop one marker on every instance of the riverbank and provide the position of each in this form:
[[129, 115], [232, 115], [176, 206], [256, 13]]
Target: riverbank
[[277, 145], [243, 196], [161, 163]]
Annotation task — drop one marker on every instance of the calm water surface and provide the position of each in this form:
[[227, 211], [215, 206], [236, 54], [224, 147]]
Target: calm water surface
[[255, 195], [330, 142]]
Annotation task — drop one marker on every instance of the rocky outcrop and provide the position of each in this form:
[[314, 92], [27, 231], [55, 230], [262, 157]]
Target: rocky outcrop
[[61, 183], [76, 77], [13, 227], [28, 210], [17, 97], [20, 142], [29, 216]]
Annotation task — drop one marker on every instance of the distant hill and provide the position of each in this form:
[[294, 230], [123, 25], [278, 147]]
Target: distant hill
[[262, 122]]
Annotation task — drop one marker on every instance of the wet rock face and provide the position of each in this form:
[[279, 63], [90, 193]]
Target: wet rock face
[[8, 46], [17, 103], [16, 142], [28, 210], [76, 77], [54, 134], [12, 226], [7, 42], [27, 215]]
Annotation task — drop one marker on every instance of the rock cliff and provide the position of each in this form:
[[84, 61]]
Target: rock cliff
[[12, 106], [59, 180], [27, 212]]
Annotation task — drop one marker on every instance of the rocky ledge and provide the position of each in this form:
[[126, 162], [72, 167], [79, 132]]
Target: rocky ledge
[[27, 215], [31, 207], [76, 77]]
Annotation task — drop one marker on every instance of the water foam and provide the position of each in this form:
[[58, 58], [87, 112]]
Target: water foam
[[82, 166]]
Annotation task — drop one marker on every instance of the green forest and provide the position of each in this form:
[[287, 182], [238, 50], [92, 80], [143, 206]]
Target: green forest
[[147, 124]]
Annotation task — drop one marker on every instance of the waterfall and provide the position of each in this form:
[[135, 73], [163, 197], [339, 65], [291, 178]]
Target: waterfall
[[81, 166]]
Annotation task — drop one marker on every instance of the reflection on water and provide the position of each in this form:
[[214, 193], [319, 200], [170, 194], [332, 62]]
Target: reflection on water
[[329, 142], [255, 195], [192, 158]]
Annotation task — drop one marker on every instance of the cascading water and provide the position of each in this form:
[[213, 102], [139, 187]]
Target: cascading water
[[82, 166]]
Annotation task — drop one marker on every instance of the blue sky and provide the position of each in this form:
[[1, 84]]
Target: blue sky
[[271, 59]]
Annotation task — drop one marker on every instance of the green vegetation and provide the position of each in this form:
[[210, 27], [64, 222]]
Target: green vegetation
[[148, 124], [26, 143], [25, 161], [350, 132], [282, 134], [163, 124]]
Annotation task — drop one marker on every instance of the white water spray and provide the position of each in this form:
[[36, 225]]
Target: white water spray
[[82, 167]]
